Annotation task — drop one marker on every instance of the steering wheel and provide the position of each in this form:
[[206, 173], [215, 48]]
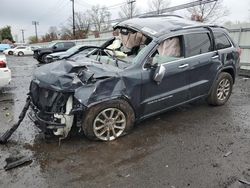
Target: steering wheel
[[105, 50]]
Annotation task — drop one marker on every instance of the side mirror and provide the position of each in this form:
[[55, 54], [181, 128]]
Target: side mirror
[[54, 47], [159, 74]]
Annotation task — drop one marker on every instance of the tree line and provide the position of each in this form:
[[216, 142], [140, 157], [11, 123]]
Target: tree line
[[98, 19]]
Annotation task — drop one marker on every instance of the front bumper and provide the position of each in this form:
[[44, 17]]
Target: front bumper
[[44, 120], [36, 55]]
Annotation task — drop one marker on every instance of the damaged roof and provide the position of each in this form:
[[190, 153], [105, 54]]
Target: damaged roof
[[155, 26]]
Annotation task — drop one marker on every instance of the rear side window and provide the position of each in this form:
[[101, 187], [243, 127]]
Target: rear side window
[[221, 41], [68, 44], [59, 45], [21, 47], [197, 43]]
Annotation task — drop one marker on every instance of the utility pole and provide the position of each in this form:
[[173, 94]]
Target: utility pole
[[35, 23], [73, 12], [22, 30], [131, 7]]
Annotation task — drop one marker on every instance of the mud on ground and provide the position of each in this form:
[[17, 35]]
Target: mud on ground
[[184, 147]]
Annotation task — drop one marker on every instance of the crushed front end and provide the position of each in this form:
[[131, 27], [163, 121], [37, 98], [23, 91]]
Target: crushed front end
[[62, 91], [51, 110]]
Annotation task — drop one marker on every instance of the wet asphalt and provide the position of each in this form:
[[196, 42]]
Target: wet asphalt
[[195, 145]]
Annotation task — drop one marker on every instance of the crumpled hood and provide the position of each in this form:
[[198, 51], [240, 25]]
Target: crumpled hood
[[68, 75]]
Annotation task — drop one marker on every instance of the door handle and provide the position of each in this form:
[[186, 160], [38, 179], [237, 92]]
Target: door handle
[[183, 66]]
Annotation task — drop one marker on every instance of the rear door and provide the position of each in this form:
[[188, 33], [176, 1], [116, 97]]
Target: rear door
[[203, 62], [59, 47], [227, 52], [68, 45]]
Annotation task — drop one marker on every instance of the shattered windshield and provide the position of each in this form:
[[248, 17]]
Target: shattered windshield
[[123, 49]]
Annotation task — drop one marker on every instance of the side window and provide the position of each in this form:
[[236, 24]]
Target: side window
[[169, 50], [68, 44], [197, 43], [59, 45], [23, 47], [221, 41]]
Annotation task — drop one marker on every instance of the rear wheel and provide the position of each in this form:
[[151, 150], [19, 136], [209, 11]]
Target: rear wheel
[[221, 90], [108, 120], [20, 54]]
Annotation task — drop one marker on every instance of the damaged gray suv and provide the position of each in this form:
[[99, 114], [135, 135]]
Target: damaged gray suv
[[153, 64]]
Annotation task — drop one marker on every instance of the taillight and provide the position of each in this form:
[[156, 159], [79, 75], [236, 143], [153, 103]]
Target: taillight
[[2, 64]]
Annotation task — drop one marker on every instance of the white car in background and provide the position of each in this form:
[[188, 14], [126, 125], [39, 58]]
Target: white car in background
[[11, 50], [27, 50], [5, 73]]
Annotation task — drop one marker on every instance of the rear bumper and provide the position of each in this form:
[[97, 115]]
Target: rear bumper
[[5, 76]]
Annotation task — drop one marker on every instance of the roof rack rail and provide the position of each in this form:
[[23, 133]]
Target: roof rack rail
[[197, 26], [159, 15]]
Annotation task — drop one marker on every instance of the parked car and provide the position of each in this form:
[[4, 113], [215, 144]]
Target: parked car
[[26, 50], [41, 53], [63, 55], [4, 47], [74, 52], [10, 51], [163, 62], [5, 73]]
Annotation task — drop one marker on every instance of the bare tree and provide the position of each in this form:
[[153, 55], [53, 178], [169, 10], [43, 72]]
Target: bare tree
[[99, 18], [82, 26], [32, 40], [128, 10], [52, 34], [158, 5], [66, 33], [210, 12]]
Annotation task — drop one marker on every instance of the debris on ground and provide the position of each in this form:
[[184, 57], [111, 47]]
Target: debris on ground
[[227, 154], [245, 78], [5, 108], [244, 182], [123, 175], [13, 162]]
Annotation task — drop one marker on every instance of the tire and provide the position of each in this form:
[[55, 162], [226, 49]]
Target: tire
[[20, 54], [221, 90], [10, 53], [121, 122], [43, 58]]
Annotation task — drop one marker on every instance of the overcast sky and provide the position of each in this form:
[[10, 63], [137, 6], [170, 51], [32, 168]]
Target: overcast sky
[[20, 13]]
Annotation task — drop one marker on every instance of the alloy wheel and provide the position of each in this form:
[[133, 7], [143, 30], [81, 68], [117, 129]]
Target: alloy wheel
[[109, 124], [223, 89]]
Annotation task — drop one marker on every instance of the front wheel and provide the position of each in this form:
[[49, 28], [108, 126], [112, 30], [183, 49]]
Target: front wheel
[[108, 120], [43, 58], [221, 90]]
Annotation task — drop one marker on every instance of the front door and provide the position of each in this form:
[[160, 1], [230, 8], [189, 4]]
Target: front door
[[173, 89]]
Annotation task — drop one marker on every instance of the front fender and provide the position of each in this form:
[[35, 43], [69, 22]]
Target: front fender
[[108, 89]]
